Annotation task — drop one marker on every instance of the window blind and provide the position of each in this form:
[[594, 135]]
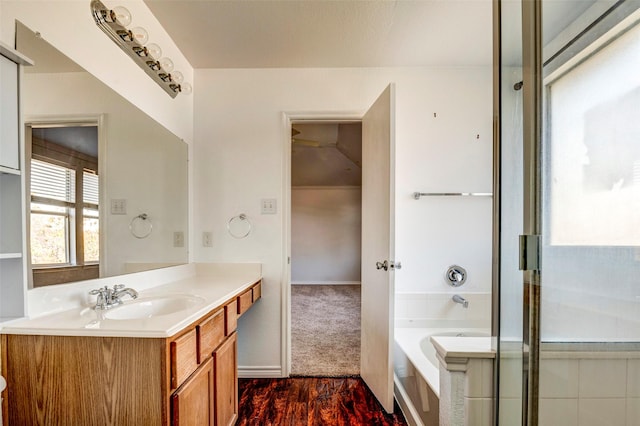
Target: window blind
[[52, 181], [90, 192]]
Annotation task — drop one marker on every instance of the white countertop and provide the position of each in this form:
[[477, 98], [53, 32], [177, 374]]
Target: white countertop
[[214, 284]]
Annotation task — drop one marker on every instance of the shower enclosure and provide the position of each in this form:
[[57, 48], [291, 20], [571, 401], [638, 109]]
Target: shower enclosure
[[567, 272]]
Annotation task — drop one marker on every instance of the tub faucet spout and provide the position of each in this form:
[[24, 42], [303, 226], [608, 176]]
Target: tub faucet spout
[[461, 300]]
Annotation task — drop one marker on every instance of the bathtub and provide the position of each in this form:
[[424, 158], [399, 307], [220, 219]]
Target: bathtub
[[416, 373]]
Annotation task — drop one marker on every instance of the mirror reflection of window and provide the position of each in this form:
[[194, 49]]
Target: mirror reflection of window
[[90, 217], [52, 201], [64, 219]]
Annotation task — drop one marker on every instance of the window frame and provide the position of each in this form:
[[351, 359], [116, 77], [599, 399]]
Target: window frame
[[65, 157]]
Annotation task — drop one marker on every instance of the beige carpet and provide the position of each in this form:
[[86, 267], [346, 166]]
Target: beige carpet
[[325, 330]]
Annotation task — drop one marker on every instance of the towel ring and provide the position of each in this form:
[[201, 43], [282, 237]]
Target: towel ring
[[141, 226], [239, 226]]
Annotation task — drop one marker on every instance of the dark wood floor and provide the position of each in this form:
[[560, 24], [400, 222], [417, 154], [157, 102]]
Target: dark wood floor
[[311, 401]]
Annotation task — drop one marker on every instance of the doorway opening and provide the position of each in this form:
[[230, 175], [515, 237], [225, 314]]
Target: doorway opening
[[326, 218]]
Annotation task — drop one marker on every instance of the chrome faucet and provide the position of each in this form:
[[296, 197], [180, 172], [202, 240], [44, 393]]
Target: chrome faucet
[[110, 297], [461, 300]]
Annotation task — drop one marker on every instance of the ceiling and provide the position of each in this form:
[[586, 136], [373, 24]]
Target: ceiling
[[328, 33], [326, 154]]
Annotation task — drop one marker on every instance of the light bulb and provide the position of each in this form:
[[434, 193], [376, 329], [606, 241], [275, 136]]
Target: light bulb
[[166, 64], [121, 15], [154, 50], [186, 88], [140, 35], [177, 77]]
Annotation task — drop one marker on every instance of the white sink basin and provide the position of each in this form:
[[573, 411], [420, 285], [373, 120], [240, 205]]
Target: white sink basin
[[153, 307]]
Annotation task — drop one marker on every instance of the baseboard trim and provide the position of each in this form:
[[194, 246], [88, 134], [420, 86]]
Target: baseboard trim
[[269, 371], [326, 283]]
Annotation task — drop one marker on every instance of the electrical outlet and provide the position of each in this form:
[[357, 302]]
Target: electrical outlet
[[178, 239], [118, 206], [268, 206], [207, 239]]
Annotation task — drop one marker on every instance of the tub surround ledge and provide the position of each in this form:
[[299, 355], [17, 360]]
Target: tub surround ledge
[[466, 372], [454, 351]]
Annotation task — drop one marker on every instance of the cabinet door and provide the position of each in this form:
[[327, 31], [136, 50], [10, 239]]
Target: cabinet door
[[226, 380], [192, 403], [9, 142]]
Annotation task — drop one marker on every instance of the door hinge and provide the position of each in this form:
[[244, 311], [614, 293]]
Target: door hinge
[[529, 252]]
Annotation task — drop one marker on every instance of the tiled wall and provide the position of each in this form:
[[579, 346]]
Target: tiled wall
[[478, 393], [466, 389], [426, 309], [580, 388], [586, 314]]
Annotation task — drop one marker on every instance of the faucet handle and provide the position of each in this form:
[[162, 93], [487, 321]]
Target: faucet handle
[[104, 294], [98, 291], [118, 286]]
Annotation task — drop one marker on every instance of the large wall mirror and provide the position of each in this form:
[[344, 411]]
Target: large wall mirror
[[107, 185]]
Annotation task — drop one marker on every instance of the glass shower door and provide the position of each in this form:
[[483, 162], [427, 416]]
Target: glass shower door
[[569, 148], [589, 369]]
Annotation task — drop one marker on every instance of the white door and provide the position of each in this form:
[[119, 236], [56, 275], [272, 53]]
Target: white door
[[378, 247]]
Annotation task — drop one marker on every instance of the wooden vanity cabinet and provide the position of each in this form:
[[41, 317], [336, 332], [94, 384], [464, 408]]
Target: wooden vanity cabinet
[[245, 300], [230, 317], [184, 357], [249, 297], [193, 403], [188, 379], [226, 380]]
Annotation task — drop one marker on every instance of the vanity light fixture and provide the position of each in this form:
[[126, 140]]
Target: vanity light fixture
[[115, 22]]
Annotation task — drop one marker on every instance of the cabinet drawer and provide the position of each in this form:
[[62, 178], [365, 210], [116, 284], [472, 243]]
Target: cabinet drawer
[[184, 357], [231, 317], [244, 301], [210, 334], [257, 291]]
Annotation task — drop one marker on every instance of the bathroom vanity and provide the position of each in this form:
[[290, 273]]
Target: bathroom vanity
[[85, 366]]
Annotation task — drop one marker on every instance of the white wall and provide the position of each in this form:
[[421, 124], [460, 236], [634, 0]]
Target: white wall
[[239, 159], [69, 26], [325, 235]]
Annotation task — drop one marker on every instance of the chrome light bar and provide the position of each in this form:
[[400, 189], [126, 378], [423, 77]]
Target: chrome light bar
[[157, 68]]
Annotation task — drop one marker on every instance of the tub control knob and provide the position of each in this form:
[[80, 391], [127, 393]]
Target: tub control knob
[[456, 275]]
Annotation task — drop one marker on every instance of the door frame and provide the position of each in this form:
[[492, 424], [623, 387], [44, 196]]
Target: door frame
[[288, 119]]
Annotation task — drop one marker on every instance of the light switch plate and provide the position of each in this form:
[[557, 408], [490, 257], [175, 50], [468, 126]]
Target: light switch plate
[[268, 206], [178, 239], [118, 206], [207, 239]]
